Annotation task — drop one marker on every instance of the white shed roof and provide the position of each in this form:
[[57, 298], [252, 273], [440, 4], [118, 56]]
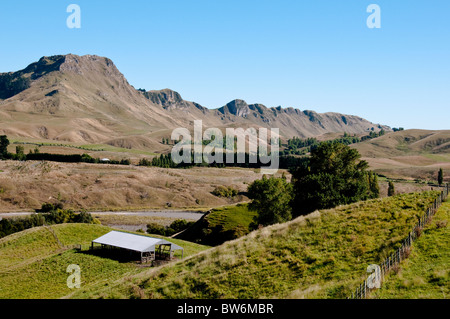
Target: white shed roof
[[134, 242]]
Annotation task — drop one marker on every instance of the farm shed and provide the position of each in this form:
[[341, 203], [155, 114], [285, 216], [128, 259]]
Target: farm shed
[[149, 248]]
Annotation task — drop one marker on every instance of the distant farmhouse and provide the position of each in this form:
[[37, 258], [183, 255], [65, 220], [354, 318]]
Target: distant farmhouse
[[146, 248]]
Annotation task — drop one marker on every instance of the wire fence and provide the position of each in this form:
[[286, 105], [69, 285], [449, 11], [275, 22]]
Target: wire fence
[[392, 262]]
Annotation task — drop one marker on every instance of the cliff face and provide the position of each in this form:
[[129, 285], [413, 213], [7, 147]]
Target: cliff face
[[87, 99]]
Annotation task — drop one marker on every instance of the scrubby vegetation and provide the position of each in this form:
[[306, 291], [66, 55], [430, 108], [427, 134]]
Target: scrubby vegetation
[[12, 84], [174, 228], [224, 191], [49, 214]]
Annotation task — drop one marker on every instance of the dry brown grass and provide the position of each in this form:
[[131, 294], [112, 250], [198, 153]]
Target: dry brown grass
[[26, 185], [403, 188], [410, 154]]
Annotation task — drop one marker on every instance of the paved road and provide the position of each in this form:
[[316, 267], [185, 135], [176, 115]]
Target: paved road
[[166, 213]]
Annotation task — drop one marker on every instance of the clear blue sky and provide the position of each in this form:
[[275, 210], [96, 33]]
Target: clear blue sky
[[318, 55]]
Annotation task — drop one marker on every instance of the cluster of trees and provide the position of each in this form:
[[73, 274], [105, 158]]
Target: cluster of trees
[[36, 155], [49, 214], [174, 228], [332, 176], [163, 160], [373, 135], [298, 146]]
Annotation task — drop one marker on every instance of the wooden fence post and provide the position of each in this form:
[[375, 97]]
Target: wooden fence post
[[365, 289]]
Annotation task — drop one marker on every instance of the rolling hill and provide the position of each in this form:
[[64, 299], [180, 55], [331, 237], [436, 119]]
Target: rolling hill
[[408, 142], [322, 255], [409, 154], [33, 264]]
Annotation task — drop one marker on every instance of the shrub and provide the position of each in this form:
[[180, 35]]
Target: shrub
[[176, 227], [222, 191], [156, 229], [418, 231], [48, 207], [441, 224], [406, 252]]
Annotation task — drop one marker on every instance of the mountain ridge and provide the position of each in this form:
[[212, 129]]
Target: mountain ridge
[[87, 99]]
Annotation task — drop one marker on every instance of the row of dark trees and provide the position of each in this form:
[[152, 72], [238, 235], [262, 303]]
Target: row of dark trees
[[36, 155], [174, 228], [165, 161]]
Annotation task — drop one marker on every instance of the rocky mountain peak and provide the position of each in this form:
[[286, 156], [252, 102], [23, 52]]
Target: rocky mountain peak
[[166, 98], [236, 107]]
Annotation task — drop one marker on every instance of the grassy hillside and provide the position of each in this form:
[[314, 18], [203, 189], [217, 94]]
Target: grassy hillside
[[425, 274], [408, 142], [220, 225], [322, 255], [409, 154], [33, 265]]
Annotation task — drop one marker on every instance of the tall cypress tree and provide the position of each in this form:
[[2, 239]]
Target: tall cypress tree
[[4, 142], [440, 177], [373, 185], [391, 189]]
